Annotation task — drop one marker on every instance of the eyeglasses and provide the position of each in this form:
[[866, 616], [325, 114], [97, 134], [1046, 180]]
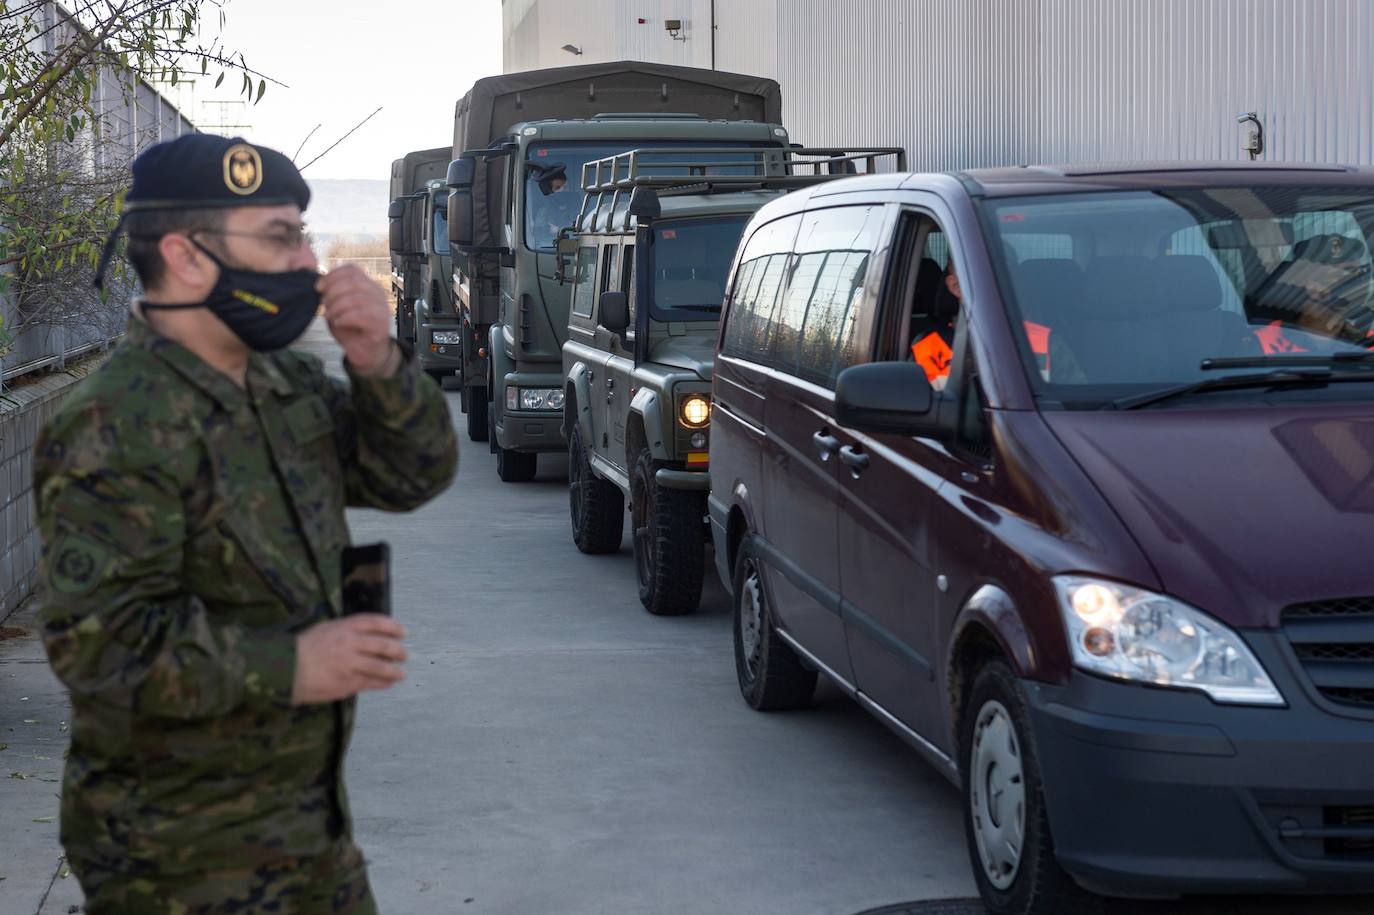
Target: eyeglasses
[[288, 239]]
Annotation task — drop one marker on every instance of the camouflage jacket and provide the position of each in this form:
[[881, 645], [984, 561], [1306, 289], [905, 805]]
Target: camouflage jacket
[[190, 529]]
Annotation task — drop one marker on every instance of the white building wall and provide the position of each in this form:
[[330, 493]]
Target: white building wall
[[964, 83]]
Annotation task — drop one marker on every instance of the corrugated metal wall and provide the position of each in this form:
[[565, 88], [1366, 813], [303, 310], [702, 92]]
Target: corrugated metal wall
[[966, 83]]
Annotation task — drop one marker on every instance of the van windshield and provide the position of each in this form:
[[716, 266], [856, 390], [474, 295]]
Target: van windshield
[[690, 260], [553, 175], [1126, 293]]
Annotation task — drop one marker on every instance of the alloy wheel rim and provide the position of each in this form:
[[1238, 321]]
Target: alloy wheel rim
[[751, 619], [997, 795]]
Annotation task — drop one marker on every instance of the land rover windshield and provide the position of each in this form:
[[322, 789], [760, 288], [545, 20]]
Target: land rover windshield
[[688, 264], [553, 171], [1159, 298]]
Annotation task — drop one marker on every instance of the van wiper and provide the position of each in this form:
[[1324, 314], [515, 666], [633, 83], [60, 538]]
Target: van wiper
[[1280, 378], [1321, 361]]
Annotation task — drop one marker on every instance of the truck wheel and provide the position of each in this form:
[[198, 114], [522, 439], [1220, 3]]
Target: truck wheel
[[669, 541], [771, 676], [1005, 821], [597, 506], [515, 466], [477, 414]]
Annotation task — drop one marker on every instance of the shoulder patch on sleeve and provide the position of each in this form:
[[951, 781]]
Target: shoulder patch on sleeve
[[77, 563]]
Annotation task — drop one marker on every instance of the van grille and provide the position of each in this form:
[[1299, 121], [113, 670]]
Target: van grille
[[1356, 820], [1334, 640]]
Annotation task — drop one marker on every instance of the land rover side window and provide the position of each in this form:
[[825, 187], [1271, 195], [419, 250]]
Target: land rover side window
[[816, 334], [585, 288], [608, 255], [627, 281], [691, 261], [758, 280], [553, 170]]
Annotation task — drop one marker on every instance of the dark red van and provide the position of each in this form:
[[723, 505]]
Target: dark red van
[[1067, 475]]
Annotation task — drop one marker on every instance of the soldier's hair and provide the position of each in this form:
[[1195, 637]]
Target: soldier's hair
[[146, 228]]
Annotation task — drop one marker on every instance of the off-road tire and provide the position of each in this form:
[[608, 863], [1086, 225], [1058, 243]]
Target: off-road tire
[[596, 506], [477, 414], [771, 676], [1040, 886], [669, 541]]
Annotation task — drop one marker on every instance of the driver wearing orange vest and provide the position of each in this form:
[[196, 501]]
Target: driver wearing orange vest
[[933, 350]]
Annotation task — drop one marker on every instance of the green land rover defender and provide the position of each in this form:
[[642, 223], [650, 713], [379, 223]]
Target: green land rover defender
[[648, 260]]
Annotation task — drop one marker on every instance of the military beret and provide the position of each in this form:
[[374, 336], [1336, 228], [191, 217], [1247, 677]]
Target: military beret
[[205, 170], [1331, 249]]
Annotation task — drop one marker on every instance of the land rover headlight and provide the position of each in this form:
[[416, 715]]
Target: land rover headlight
[[695, 411], [541, 399], [446, 336], [1136, 635]]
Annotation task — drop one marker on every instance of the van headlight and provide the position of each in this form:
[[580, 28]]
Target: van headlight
[[695, 411], [1136, 635]]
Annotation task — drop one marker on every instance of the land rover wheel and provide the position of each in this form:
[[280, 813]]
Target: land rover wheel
[[596, 505], [477, 414], [669, 541], [1005, 821], [771, 676]]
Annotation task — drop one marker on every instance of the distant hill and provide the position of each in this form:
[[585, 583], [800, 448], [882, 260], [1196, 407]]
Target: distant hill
[[350, 207]]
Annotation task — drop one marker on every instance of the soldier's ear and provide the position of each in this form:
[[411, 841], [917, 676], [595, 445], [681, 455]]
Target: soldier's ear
[[186, 264]]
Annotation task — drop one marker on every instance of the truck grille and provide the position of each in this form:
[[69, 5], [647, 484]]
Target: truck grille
[[1334, 640]]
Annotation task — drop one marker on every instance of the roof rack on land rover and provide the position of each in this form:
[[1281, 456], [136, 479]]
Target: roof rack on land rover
[[697, 170]]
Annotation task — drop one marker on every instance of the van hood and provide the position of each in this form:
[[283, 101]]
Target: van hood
[[695, 352], [1241, 512]]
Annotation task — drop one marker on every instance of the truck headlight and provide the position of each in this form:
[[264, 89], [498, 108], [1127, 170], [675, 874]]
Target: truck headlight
[[541, 399], [695, 411], [1136, 635], [446, 336]]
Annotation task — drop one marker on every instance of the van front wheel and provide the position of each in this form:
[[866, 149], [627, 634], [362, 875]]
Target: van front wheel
[[1005, 820]]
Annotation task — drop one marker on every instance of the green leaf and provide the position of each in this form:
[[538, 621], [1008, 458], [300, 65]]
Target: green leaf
[[220, 80], [262, 87]]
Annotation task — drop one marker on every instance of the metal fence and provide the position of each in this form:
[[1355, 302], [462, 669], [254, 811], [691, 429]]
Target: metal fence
[[130, 116]]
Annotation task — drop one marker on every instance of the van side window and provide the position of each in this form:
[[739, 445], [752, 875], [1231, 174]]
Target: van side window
[[754, 299], [816, 334], [583, 291]]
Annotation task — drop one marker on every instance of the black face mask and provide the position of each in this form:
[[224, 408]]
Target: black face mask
[[267, 311]]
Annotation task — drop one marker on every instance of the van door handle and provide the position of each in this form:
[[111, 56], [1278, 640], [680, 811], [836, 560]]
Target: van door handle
[[826, 443], [855, 460]]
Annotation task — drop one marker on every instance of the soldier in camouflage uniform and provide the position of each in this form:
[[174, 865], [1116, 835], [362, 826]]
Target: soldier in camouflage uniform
[[191, 501]]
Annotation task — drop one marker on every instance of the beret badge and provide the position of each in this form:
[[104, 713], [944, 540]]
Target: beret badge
[[242, 169]]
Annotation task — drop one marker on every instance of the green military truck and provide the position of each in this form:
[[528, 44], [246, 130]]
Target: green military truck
[[420, 262], [520, 142], [649, 257]]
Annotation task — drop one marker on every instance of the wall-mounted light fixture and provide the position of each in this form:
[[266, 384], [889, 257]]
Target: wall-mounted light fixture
[[573, 49], [675, 29], [1254, 139]]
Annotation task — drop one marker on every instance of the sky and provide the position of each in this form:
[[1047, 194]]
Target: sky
[[342, 59]]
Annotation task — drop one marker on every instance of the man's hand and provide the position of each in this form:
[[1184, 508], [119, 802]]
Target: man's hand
[[356, 309], [344, 657]]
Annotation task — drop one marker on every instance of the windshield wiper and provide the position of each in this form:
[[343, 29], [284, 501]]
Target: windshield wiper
[[1315, 360], [694, 308], [1280, 378]]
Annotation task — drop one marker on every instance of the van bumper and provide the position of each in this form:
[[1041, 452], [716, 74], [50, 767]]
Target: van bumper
[[1159, 792]]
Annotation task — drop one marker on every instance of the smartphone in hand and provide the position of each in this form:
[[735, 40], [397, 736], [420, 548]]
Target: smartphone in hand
[[367, 579]]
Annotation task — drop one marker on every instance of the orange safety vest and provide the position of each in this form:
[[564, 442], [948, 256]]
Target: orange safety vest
[[933, 354], [1273, 340], [1039, 336]]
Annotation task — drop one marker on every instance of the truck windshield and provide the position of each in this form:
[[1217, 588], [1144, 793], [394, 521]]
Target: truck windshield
[[1123, 294], [441, 224], [688, 263], [553, 194]]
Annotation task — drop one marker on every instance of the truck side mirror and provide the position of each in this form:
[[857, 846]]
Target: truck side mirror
[[397, 209], [460, 217], [403, 229], [461, 172], [613, 312]]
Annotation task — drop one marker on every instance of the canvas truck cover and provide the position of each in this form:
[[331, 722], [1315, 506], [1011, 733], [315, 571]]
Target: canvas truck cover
[[495, 104], [409, 173]]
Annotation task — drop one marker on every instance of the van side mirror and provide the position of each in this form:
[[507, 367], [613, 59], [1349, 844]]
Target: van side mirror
[[613, 312], [892, 397]]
